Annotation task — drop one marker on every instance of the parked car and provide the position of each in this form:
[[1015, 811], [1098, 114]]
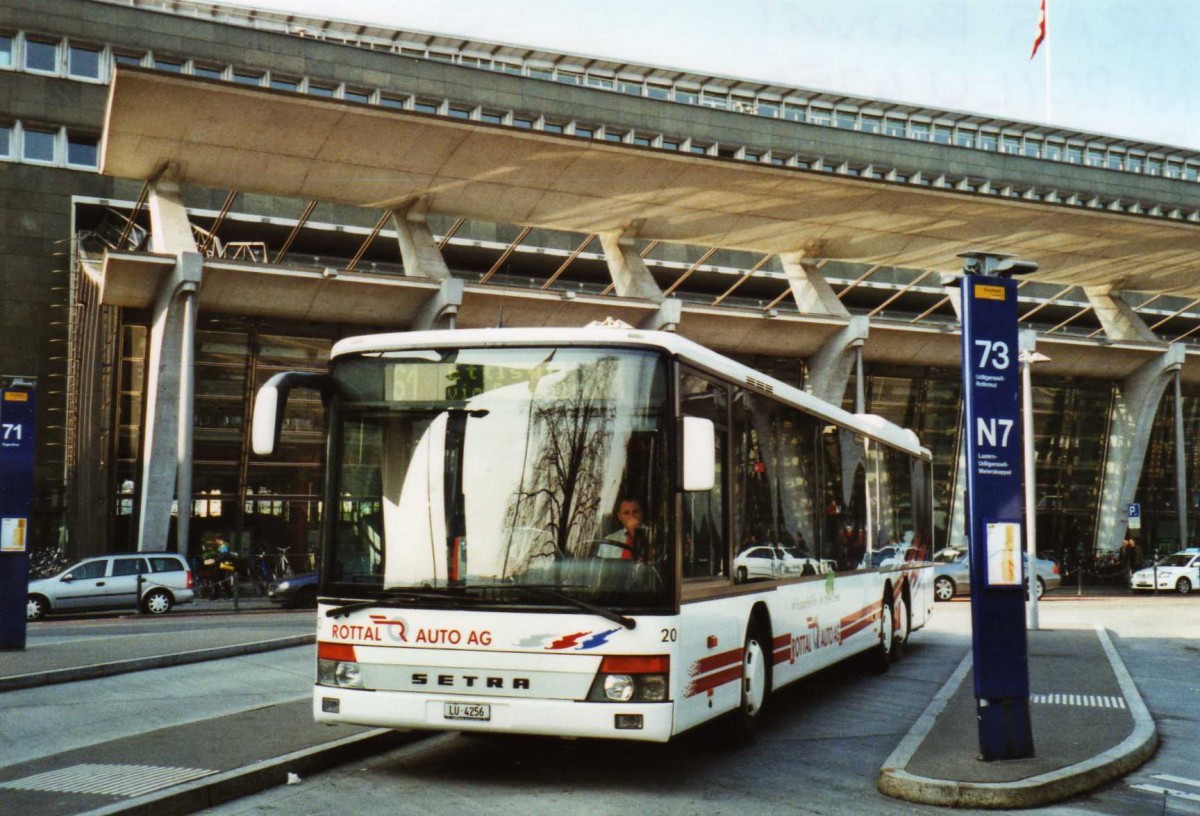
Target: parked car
[[952, 573], [111, 582], [1179, 572], [296, 592]]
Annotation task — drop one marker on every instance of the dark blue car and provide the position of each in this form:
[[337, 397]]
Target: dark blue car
[[296, 592]]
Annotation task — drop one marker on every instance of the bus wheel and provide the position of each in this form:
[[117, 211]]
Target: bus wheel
[[903, 628], [742, 722], [887, 638]]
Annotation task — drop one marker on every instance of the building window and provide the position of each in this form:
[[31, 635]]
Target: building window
[[670, 144], [1054, 152], [768, 109], [357, 95], [571, 78], [943, 134], [1134, 164], [630, 88], [541, 73], [658, 91], [1116, 161], [6, 140], [441, 56], [83, 63], [391, 101], [1033, 148], [613, 135], [894, 127], [284, 84], [38, 145], [845, 119], [83, 151], [1095, 158], [127, 58], [700, 148], [586, 131], [491, 117], [41, 55], [820, 116], [321, 90], [869, 124], [554, 127], [247, 77], [713, 99], [459, 113], [6, 51], [599, 82], [506, 67], [1153, 167], [987, 141], [918, 131], [1074, 155], [1011, 144], [686, 97], [425, 106], [210, 71], [964, 137], [163, 64]]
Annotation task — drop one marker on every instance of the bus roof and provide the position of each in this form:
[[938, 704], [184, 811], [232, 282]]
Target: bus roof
[[689, 351]]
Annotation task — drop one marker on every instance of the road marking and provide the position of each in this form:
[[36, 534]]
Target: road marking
[[1079, 700], [1194, 797], [108, 780], [1195, 783]]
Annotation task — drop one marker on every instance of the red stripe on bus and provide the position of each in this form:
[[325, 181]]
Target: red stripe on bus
[[718, 661], [712, 681], [781, 641], [847, 631]]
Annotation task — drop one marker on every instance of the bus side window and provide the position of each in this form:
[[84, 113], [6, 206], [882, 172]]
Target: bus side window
[[705, 547]]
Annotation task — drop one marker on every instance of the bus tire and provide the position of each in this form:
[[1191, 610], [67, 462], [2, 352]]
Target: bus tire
[[902, 626], [882, 653], [755, 685]]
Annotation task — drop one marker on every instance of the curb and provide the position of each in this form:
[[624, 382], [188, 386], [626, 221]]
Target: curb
[[1034, 791], [76, 673], [229, 785]]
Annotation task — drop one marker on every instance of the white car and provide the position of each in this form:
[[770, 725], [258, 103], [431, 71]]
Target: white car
[[152, 581], [1179, 572], [767, 561]]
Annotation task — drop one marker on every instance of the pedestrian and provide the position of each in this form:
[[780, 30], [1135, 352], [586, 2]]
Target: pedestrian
[[1129, 554], [226, 567]]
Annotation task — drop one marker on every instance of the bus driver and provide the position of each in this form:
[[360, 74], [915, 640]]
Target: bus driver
[[630, 543]]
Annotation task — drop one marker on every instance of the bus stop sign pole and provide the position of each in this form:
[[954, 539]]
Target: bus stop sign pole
[[992, 421], [17, 409]]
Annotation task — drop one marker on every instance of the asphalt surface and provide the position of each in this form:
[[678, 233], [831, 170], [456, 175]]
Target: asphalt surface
[[1089, 723]]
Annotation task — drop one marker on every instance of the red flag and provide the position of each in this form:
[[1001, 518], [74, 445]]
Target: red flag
[[1041, 31]]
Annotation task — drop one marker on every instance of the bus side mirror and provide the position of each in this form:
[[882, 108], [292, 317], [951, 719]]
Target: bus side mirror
[[699, 454], [270, 402]]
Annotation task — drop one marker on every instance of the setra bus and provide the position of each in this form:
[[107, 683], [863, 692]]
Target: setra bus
[[596, 532]]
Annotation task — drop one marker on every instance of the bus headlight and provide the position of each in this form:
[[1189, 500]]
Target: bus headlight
[[638, 679], [348, 675], [618, 687]]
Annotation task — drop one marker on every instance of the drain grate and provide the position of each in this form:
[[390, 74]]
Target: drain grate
[[108, 780], [1084, 700]]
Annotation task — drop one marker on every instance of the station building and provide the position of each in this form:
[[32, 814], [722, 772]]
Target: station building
[[196, 196]]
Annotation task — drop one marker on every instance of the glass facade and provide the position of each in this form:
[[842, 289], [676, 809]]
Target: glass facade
[[260, 506]]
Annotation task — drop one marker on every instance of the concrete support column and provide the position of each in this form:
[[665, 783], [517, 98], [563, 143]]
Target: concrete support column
[[1137, 402], [630, 276], [418, 250], [667, 318], [440, 311], [1181, 491], [170, 378], [813, 294], [829, 369], [1118, 319]]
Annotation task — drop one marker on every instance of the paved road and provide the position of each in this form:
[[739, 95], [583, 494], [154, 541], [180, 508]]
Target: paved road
[[820, 753]]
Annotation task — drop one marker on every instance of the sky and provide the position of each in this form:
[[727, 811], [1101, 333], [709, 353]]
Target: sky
[[1117, 67]]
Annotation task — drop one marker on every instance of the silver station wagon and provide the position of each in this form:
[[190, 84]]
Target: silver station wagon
[[153, 582]]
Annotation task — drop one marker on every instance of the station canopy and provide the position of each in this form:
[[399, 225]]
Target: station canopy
[[226, 136]]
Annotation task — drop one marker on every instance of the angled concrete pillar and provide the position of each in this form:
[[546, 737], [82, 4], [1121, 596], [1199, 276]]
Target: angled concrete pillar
[[630, 276], [440, 311], [813, 294], [666, 318], [170, 378], [418, 250], [1118, 319], [1129, 435], [829, 369]]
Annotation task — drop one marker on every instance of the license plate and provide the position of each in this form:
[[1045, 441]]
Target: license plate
[[468, 711]]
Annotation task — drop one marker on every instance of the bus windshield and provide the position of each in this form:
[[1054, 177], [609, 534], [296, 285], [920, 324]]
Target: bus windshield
[[502, 475]]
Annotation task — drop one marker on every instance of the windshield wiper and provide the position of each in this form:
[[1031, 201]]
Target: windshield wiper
[[545, 591], [389, 596]]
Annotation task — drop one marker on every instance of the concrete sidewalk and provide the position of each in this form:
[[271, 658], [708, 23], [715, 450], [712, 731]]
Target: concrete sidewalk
[[1090, 726]]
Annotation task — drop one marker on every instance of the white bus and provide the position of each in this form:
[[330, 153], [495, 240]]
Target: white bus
[[596, 532]]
